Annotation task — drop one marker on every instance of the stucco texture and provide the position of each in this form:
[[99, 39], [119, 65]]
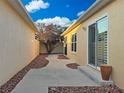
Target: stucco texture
[[78, 55], [17, 42], [115, 13]]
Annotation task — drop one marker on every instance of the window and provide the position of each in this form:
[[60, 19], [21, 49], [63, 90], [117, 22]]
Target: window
[[97, 42], [74, 43], [102, 28]]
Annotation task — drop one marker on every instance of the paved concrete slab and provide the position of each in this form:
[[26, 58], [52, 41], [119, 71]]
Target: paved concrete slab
[[55, 74]]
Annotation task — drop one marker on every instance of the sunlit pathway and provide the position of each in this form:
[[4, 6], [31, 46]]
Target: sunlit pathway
[[55, 74]]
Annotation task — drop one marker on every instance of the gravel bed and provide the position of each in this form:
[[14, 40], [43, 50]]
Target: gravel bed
[[38, 62], [73, 65], [62, 57], [86, 89]]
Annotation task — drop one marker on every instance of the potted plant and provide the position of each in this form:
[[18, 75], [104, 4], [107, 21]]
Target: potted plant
[[106, 71]]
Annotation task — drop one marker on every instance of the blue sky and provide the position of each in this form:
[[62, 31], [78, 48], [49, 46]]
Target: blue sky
[[53, 10]]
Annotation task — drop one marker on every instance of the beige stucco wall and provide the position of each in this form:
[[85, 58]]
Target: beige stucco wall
[[17, 44], [115, 12], [77, 56]]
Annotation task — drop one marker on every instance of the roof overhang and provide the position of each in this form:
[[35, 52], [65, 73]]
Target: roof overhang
[[21, 10], [99, 4]]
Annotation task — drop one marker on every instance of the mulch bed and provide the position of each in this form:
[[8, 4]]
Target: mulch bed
[[38, 62], [85, 89], [62, 57], [73, 65]]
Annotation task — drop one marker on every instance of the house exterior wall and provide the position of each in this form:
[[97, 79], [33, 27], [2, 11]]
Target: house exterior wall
[[115, 14], [18, 46], [78, 56]]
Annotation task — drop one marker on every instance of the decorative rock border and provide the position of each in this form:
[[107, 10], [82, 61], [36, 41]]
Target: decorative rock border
[[85, 89], [73, 65], [38, 62]]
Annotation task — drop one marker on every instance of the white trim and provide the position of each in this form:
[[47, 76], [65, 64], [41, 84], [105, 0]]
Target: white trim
[[90, 23], [87, 33], [91, 66], [98, 68], [74, 33], [74, 52], [108, 40], [90, 12], [95, 68], [96, 19]]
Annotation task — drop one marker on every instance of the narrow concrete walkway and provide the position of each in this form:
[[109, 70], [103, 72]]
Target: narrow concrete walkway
[[55, 74]]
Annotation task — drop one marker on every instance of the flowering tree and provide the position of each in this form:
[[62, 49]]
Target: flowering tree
[[51, 36]]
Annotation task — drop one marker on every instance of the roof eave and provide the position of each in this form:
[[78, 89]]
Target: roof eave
[[91, 11], [21, 10]]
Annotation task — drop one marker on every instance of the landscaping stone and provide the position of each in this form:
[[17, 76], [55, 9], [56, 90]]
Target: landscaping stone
[[85, 89], [73, 65], [56, 73], [38, 62], [54, 78]]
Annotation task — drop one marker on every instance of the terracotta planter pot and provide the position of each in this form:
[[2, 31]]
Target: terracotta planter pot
[[105, 71]]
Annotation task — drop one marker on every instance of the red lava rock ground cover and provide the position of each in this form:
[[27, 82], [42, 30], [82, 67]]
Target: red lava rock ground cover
[[73, 65], [38, 62], [62, 57], [86, 89]]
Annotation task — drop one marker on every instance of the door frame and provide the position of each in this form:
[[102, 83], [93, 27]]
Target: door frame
[[90, 35], [87, 32]]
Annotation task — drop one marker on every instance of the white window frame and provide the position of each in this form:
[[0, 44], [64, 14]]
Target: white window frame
[[73, 48], [91, 22]]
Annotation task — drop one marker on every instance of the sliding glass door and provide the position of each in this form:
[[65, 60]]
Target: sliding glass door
[[97, 42], [102, 50], [91, 44]]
